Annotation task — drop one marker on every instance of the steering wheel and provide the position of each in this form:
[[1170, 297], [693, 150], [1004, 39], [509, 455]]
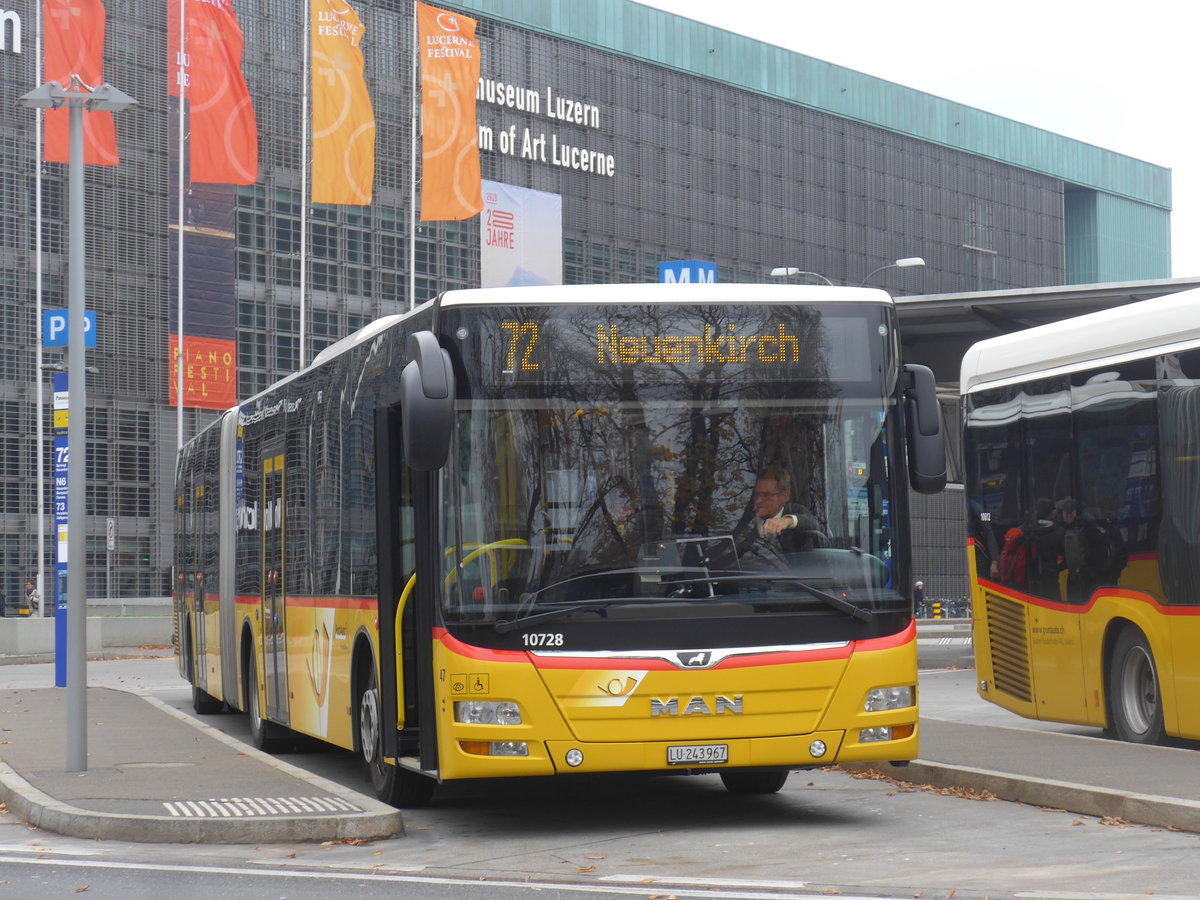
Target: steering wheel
[[813, 538], [505, 544]]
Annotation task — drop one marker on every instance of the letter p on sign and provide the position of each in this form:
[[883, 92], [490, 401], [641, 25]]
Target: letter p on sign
[[55, 330]]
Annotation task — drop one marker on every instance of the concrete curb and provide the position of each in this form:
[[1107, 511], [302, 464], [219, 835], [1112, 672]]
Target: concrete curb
[[377, 821], [1140, 809], [106, 653]]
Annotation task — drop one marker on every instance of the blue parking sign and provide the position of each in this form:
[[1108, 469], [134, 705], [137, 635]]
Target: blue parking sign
[[55, 328]]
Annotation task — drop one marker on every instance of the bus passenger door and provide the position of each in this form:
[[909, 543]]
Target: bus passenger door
[[200, 648], [274, 616]]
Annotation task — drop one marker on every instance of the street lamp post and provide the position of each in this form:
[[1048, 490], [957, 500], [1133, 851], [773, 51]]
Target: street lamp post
[[909, 262], [789, 271], [77, 97]]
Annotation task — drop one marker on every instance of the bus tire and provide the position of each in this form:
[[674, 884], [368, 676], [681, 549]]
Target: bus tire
[[392, 784], [1134, 694], [204, 703], [266, 736], [754, 781]]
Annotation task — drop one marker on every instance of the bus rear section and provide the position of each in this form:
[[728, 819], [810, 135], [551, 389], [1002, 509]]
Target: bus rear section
[[1080, 449]]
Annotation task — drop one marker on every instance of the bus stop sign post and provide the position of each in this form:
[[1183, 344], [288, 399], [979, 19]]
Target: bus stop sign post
[[61, 394], [75, 96], [76, 455]]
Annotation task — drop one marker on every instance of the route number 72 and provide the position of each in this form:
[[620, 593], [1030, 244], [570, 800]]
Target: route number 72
[[519, 332]]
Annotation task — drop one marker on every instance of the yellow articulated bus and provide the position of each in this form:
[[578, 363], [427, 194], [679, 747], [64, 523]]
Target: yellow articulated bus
[[1082, 454], [624, 528]]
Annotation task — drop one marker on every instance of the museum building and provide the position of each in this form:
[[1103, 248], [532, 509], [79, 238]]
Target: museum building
[[642, 137]]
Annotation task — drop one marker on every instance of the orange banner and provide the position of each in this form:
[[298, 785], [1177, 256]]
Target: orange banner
[[343, 123], [449, 56], [223, 137], [74, 45], [209, 372]]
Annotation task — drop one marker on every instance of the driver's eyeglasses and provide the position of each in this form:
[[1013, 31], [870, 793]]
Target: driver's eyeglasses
[[767, 493]]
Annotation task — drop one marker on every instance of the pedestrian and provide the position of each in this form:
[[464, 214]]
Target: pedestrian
[[33, 597]]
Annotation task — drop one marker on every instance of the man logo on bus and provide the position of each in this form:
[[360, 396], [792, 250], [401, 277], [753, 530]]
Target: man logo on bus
[[697, 706], [697, 660]]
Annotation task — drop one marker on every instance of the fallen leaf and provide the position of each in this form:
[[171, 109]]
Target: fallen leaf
[[585, 869]]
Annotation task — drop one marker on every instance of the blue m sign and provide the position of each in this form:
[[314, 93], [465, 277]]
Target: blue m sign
[[687, 271]]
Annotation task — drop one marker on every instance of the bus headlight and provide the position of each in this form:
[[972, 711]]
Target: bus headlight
[[509, 748], [487, 712], [885, 733], [495, 748], [879, 699]]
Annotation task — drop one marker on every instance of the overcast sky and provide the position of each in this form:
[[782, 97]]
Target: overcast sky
[[1123, 76]]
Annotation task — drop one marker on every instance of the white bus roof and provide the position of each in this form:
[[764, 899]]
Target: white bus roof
[[664, 293], [599, 293], [1162, 325]]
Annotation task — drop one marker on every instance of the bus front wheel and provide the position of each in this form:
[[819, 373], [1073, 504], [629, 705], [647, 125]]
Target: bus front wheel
[[1134, 697], [392, 784], [745, 781]]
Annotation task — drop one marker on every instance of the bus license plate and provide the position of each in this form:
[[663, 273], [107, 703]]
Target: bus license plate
[[698, 754]]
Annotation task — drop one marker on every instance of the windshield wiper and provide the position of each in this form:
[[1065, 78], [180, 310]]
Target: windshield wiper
[[840, 603], [504, 626]]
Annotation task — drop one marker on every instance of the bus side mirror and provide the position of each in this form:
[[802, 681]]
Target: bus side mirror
[[426, 403], [923, 422]]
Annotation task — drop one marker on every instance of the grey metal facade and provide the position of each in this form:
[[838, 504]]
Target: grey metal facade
[[708, 164]]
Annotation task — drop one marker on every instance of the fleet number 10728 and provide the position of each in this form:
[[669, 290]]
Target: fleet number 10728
[[543, 639]]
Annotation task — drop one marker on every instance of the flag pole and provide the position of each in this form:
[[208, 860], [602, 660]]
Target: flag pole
[[179, 356], [412, 171], [304, 151], [37, 329]]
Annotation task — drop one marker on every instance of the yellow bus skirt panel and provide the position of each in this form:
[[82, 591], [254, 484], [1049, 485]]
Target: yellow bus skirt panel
[[621, 714]]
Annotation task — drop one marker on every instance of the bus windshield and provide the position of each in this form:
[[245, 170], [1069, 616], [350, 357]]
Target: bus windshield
[[606, 484]]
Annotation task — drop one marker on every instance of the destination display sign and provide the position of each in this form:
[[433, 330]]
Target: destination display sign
[[617, 346], [658, 344]]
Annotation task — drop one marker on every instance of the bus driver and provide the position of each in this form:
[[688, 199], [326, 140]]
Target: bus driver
[[778, 523]]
